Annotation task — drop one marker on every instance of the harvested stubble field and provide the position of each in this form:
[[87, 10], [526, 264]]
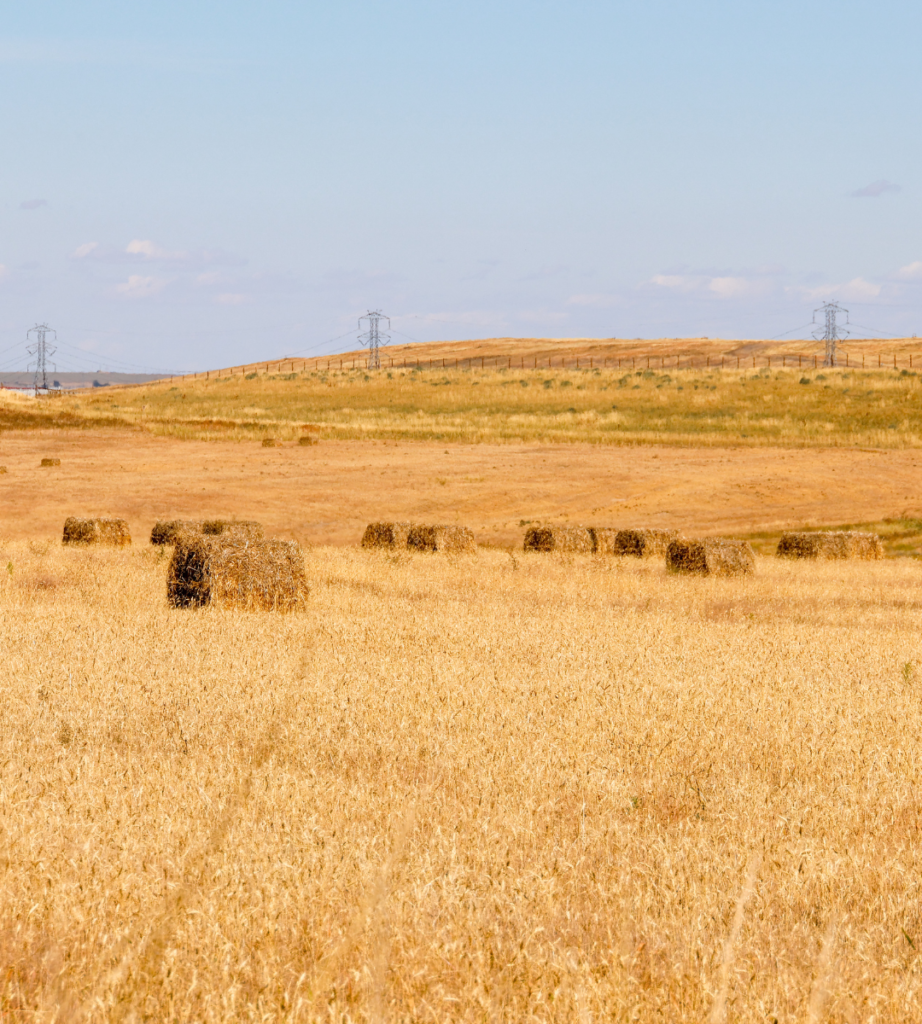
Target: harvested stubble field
[[494, 787], [882, 408]]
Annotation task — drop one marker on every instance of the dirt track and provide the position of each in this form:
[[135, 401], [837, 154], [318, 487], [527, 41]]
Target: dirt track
[[327, 493]]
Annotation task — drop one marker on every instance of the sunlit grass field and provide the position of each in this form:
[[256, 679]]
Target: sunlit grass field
[[493, 788], [877, 408]]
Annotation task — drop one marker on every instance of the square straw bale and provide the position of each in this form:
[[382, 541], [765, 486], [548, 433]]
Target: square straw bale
[[271, 442], [51, 462], [575, 539], [715, 556], [441, 538], [644, 543], [231, 571], [114, 532], [831, 544], [167, 531], [385, 535]]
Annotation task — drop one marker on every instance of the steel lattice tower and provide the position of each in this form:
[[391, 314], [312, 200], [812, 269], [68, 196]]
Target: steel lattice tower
[[41, 350], [831, 332], [374, 338]]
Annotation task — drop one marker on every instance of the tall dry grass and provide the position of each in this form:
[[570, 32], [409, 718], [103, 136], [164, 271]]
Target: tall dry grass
[[692, 407], [494, 787]]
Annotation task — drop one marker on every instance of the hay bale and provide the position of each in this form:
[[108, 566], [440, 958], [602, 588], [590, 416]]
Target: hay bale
[[96, 531], [232, 571], [440, 538], [712, 557], [168, 531], [577, 539], [385, 535], [247, 529], [51, 462], [3, 469], [271, 442], [831, 544], [636, 543], [307, 439]]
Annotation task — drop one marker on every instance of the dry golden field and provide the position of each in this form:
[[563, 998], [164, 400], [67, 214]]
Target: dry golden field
[[496, 787]]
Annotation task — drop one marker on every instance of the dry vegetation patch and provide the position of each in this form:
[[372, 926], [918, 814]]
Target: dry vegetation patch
[[686, 791], [787, 407]]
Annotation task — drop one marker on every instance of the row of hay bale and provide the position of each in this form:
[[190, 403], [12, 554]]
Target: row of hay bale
[[599, 540], [417, 537], [220, 562], [714, 556]]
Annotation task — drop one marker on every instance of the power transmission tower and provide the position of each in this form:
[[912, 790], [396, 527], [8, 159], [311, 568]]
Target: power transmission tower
[[41, 350], [831, 331], [374, 338]]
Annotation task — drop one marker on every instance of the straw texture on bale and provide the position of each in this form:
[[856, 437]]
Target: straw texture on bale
[[2, 469], [636, 543], [831, 544], [712, 557], [168, 531], [96, 531], [230, 571], [385, 535], [559, 538], [271, 442], [51, 462], [307, 439], [440, 538]]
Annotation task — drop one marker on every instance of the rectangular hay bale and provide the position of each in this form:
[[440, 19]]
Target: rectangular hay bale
[[168, 531], [715, 556], [231, 571], [441, 538], [385, 535], [645, 543], [830, 544], [51, 462], [574, 539], [114, 532]]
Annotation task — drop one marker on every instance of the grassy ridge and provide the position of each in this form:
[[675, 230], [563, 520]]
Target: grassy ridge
[[694, 407]]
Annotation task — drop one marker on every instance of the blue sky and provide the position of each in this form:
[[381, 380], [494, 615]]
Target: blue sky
[[196, 184]]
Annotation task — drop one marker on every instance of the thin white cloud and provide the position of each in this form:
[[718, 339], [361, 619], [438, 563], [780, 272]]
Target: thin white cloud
[[32, 204], [724, 286], [140, 287], [150, 250], [855, 290], [231, 298], [82, 251], [911, 272], [4, 270], [875, 189], [677, 282], [730, 287]]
